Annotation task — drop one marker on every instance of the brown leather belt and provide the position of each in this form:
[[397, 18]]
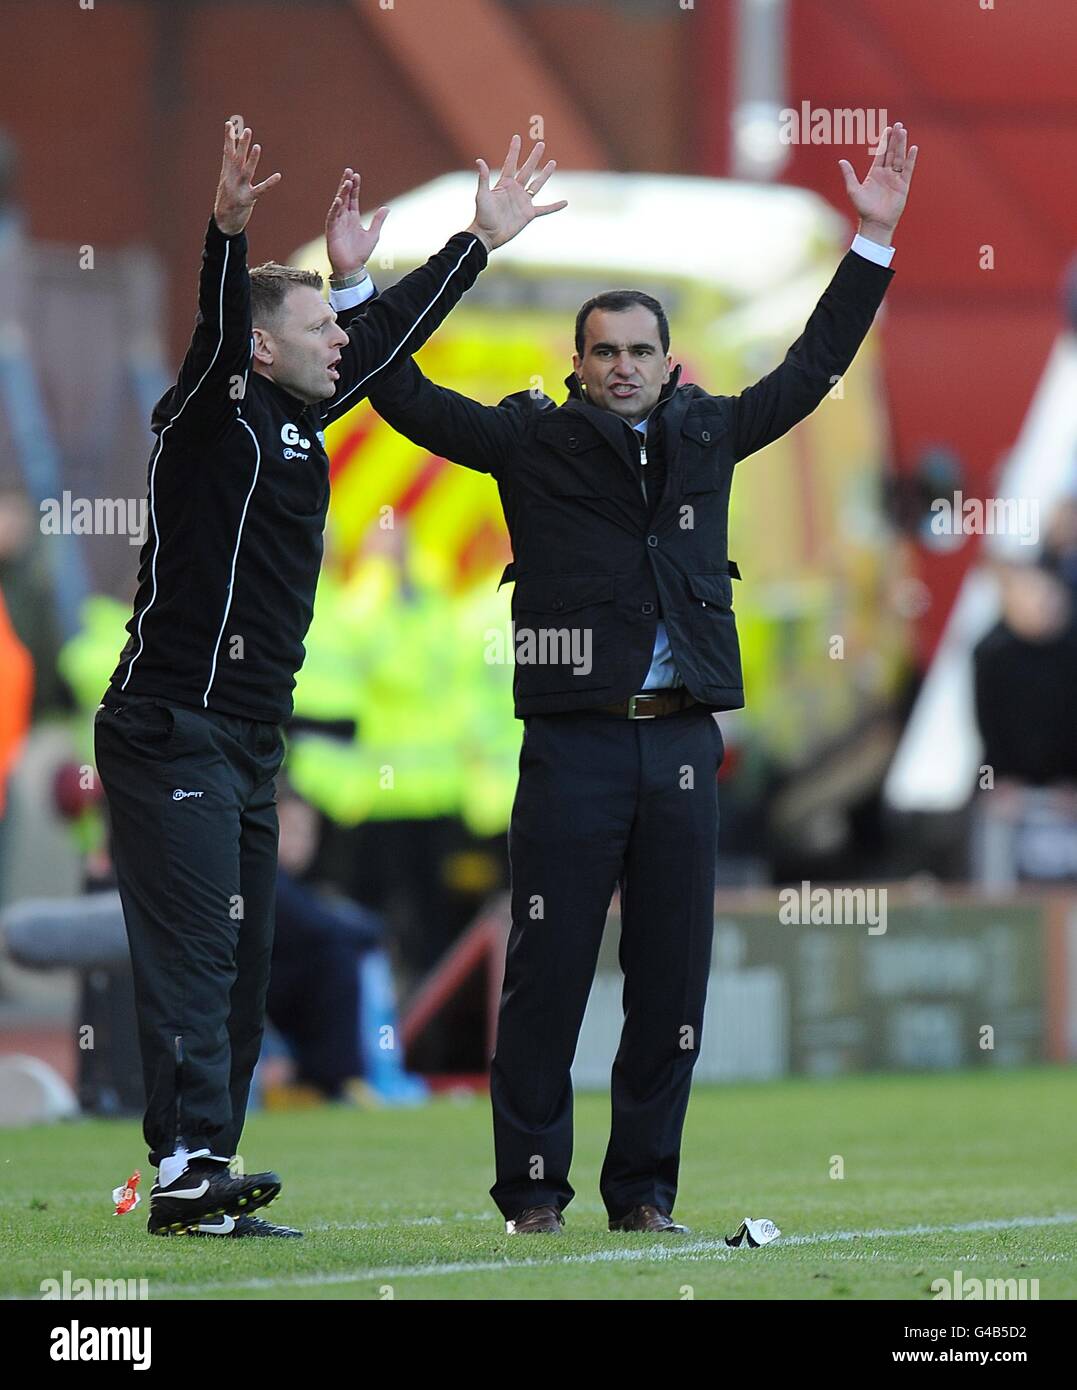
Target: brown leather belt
[[651, 704]]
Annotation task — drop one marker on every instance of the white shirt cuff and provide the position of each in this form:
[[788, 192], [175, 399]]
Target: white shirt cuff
[[871, 250], [350, 299]]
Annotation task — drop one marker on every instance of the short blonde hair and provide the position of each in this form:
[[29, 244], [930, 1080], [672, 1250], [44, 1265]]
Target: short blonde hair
[[270, 283]]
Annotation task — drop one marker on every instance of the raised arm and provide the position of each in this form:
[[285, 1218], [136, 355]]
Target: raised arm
[[398, 321], [819, 357], [446, 423], [401, 318], [840, 321], [213, 370]]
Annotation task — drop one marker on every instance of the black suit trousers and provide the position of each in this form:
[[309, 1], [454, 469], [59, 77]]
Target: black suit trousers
[[602, 802]]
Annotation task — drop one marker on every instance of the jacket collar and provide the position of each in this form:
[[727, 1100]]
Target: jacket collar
[[618, 432], [291, 405]]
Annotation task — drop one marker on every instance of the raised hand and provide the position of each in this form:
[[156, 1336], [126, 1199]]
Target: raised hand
[[507, 208], [880, 199], [349, 244], [236, 191]]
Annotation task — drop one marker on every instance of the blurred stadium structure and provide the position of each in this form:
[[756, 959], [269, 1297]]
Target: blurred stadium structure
[[889, 766]]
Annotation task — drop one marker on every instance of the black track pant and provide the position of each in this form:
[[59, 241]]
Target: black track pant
[[603, 800], [193, 811]]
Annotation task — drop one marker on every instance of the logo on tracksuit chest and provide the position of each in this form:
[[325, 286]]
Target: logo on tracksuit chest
[[294, 442]]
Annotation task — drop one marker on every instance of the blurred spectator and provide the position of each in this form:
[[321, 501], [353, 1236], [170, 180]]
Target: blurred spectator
[[1025, 676], [28, 593], [16, 684], [330, 992], [1060, 542], [939, 472]]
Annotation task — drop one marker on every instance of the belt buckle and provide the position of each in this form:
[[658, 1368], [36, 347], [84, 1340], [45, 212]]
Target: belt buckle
[[632, 706]]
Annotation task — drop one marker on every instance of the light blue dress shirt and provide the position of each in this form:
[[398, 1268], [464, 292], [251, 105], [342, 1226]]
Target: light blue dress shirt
[[662, 673]]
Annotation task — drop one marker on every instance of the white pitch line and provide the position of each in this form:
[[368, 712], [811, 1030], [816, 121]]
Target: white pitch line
[[715, 1250], [1003, 1225]]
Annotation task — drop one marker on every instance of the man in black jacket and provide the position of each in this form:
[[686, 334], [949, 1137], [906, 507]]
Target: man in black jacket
[[188, 737], [616, 504]]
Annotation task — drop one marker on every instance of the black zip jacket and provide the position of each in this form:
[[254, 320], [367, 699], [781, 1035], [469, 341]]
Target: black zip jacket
[[597, 560], [239, 489]]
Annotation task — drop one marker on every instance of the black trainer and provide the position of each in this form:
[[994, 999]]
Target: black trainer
[[237, 1226], [206, 1189]]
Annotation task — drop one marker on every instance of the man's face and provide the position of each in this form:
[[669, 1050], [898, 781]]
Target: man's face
[[623, 367], [300, 348]]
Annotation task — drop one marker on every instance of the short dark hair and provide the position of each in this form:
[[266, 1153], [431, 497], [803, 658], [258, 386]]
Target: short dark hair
[[270, 283], [616, 301]]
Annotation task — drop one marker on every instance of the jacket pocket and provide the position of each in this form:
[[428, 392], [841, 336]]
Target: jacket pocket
[[715, 590], [571, 462], [563, 593], [703, 468], [567, 438], [562, 632], [714, 629], [703, 430]]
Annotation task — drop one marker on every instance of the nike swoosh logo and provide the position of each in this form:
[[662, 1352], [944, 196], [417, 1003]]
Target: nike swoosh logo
[[223, 1227], [190, 1191]]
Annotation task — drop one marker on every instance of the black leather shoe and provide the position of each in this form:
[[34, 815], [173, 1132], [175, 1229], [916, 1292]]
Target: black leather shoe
[[536, 1221], [649, 1219]]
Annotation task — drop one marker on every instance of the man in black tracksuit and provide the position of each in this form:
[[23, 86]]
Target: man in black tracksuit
[[625, 643], [188, 736]]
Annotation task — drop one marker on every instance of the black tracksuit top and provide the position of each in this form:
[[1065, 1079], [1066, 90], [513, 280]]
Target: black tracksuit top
[[239, 489]]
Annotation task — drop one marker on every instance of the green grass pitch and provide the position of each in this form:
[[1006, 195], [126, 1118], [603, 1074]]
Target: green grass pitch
[[395, 1204]]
